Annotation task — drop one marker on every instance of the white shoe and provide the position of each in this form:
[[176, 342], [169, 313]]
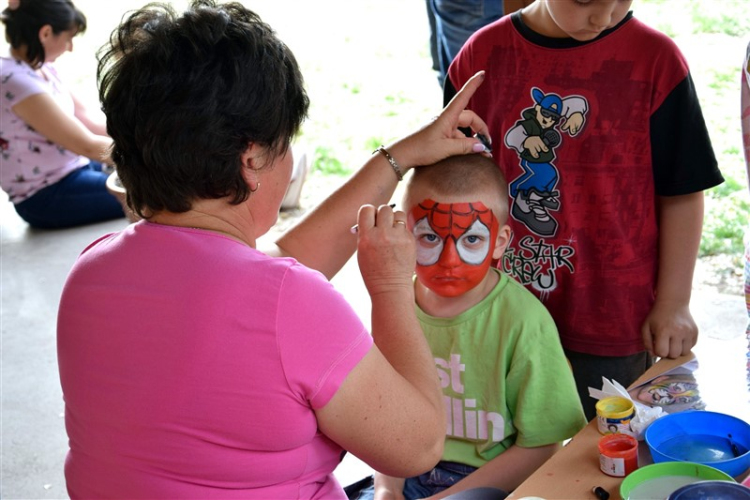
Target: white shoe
[[299, 174]]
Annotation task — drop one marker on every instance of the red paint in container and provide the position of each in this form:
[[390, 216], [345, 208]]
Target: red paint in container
[[618, 454]]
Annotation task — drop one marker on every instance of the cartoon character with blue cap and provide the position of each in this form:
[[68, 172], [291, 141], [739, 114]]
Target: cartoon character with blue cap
[[535, 137]]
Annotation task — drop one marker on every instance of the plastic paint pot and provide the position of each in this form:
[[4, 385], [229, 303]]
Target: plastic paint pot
[[618, 454], [613, 415]]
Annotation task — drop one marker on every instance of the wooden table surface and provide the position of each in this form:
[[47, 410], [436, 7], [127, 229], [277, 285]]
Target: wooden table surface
[[723, 376]]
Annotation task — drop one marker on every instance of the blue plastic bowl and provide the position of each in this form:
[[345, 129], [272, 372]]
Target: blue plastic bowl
[[709, 438]]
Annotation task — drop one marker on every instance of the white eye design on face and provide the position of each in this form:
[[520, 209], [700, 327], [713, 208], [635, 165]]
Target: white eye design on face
[[474, 244], [429, 244]]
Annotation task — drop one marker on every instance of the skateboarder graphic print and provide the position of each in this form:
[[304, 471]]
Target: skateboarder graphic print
[[535, 137]]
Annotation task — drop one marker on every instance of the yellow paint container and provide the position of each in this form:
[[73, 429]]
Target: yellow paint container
[[614, 414]]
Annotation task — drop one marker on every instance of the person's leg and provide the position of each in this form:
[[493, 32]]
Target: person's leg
[[484, 493], [455, 21], [416, 487], [588, 371], [79, 198], [361, 490], [433, 35], [443, 476]]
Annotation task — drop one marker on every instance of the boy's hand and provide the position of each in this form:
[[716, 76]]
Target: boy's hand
[[669, 330], [387, 252]]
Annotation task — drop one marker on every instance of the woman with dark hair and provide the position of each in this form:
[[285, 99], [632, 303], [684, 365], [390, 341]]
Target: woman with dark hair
[[195, 365], [52, 146]]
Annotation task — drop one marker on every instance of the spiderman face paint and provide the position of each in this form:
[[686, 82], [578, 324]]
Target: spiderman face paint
[[455, 242]]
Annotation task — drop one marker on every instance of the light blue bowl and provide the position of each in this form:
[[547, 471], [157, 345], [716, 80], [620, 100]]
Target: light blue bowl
[[706, 437]]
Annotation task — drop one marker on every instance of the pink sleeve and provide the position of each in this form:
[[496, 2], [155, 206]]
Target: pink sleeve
[[23, 83], [321, 339]]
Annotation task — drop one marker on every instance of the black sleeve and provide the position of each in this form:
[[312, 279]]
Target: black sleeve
[[448, 92], [682, 158]]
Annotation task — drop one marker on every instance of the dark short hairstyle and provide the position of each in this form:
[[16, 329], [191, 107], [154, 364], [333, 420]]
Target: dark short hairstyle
[[185, 96], [471, 175], [23, 23]]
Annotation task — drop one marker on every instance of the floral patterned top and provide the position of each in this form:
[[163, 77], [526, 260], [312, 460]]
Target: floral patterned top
[[28, 160]]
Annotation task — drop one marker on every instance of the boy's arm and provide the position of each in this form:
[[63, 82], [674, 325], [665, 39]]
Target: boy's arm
[[388, 487], [506, 471], [669, 329]]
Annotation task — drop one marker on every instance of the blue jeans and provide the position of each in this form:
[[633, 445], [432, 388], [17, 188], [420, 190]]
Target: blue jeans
[[79, 198], [588, 370], [443, 476], [455, 21]]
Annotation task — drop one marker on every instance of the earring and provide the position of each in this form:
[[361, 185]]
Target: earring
[[257, 186]]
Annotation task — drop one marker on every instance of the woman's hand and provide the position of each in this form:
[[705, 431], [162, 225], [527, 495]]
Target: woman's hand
[[389, 410], [386, 250], [442, 138], [322, 240]]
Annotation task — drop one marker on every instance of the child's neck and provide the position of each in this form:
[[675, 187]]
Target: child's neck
[[448, 307], [537, 18]]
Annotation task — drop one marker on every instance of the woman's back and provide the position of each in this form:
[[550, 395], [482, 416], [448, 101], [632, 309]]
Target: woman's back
[[192, 376]]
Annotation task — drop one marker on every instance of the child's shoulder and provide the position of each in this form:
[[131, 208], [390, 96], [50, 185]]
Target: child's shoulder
[[644, 29], [502, 26], [528, 312], [514, 292], [648, 36]]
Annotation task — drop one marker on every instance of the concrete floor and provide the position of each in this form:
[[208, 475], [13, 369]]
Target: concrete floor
[[33, 267]]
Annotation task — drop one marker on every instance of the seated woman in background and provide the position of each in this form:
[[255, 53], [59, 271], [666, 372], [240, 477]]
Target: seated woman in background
[[52, 146], [193, 364]]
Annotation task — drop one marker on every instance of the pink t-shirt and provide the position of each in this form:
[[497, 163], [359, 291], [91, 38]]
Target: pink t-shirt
[[28, 161], [190, 366]]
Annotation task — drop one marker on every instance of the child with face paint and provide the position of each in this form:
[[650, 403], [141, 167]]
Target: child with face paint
[[508, 391]]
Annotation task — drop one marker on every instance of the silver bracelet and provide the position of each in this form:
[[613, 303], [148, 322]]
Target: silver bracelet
[[396, 168]]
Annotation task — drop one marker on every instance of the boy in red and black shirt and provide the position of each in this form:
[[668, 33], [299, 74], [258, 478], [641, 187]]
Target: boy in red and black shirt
[[597, 127]]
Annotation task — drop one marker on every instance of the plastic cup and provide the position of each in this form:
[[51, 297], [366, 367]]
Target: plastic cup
[[618, 454]]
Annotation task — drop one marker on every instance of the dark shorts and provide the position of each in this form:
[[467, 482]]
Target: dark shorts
[[589, 369], [443, 476]]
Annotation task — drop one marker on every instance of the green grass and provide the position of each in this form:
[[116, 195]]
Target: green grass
[[713, 34]]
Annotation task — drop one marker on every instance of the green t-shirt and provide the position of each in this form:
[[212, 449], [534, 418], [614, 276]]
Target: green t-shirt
[[504, 375]]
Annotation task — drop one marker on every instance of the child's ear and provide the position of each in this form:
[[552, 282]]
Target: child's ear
[[501, 242]]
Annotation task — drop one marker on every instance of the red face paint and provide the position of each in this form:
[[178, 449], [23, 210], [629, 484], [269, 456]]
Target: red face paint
[[455, 242]]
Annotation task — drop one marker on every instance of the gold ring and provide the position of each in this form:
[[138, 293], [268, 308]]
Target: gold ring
[[400, 222]]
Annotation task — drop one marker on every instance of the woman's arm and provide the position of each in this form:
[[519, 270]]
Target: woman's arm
[[323, 241], [42, 113], [93, 120], [389, 410]]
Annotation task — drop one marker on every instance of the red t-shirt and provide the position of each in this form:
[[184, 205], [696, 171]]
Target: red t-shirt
[[583, 211]]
